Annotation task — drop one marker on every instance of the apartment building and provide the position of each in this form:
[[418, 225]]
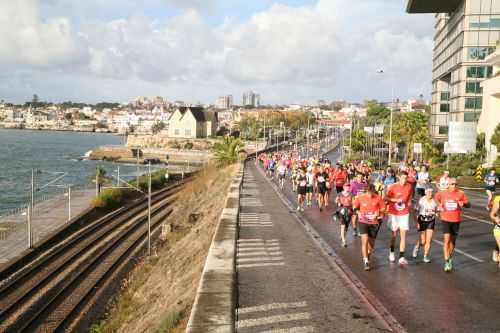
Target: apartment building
[[466, 32]]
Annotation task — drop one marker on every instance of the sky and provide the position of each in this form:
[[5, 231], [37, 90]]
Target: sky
[[289, 51]]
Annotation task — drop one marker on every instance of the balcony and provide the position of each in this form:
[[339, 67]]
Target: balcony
[[432, 6]]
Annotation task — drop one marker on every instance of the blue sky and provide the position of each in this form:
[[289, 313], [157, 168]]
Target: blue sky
[[290, 51]]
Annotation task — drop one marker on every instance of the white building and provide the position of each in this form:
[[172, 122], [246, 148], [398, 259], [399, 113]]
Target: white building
[[224, 102], [192, 123], [490, 117], [251, 99], [466, 32]]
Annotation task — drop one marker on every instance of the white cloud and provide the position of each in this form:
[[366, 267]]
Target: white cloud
[[289, 54], [26, 39]]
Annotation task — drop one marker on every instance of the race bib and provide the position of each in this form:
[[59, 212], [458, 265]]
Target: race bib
[[451, 205], [491, 183], [370, 217], [321, 179], [429, 212], [303, 183]]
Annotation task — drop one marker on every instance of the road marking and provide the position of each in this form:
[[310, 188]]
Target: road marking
[[260, 259], [303, 329], [273, 306], [275, 248], [260, 253], [257, 240], [461, 252], [262, 265], [478, 220], [273, 319]]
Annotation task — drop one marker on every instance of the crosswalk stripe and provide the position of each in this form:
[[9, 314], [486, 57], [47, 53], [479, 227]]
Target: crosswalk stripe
[[274, 319]]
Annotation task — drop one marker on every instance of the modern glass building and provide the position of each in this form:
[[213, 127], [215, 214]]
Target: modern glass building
[[466, 32]]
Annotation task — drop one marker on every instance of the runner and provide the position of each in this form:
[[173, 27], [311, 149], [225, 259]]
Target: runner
[[294, 175], [370, 211], [426, 211], [344, 211], [282, 174], [321, 179], [423, 178], [301, 189], [272, 166], [451, 202], [491, 181], [496, 229], [309, 186], [443, 181], [398, 198], [358, 187], [389, 178], [340, 177]]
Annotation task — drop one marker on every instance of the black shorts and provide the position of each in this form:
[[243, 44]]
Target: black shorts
[[339, 189], [369, 229], [491, 188], [321, 189], [421, 191], [309, 189], [426, 225], [301, 190], [282, 176], [451, 228], [344, 219]]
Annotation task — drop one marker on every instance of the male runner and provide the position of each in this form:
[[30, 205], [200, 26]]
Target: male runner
[[398, 197], [496, 228], [301, 181], [309, 185], [451, 202], [344, 211], [321, 179]]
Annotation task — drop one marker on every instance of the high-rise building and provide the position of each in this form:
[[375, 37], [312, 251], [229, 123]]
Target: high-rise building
[[224, 102], [251, 99], [466, 32]]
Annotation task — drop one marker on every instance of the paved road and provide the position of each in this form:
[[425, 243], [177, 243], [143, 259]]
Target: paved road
[[285, 284], [421, 296]]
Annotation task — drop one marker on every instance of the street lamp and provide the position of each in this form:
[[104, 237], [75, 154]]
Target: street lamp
[[381, 71]]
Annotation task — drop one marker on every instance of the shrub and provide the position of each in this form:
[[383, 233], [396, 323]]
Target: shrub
[[188, 145]]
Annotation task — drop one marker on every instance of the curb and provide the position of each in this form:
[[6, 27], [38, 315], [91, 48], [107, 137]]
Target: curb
[[215, 300], [367, 297]]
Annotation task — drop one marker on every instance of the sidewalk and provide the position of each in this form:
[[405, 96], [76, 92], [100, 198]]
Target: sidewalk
[[47, 216], [285, 283]]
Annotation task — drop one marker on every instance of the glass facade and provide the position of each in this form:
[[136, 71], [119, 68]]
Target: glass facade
[[463, 40]]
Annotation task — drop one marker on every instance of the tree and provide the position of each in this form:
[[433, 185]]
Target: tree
[[227, 152], [158, 127], [376, 112], [409, 128], [495, 138]]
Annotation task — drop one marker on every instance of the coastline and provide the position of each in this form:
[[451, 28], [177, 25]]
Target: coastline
[[40, 129]]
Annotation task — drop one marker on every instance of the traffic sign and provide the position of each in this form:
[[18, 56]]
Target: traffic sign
[[417, 148]]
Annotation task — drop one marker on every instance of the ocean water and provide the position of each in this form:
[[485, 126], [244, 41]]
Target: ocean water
[[51, 154]]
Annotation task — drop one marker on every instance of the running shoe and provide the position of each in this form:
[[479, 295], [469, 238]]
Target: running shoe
[[354, 233], [427, 259], [447, 266], [298, 208], [494, 256], [344, 244], [402, 261], [367, 266], [451, 263], [415, 251], [392, 257]]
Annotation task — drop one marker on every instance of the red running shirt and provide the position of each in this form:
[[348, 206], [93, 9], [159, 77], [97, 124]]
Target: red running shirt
[[403, 192], [370, 207], [450, 203]]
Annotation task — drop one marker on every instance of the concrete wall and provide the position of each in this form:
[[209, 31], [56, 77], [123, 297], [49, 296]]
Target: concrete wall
[[490, 117]]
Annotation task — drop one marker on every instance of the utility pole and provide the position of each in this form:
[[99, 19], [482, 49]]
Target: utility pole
[[118, 178], [97, 171], [30, 210], [149, 209], [69, 203]]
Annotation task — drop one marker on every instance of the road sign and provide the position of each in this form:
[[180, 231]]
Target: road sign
[[447, 148], [462, 137], [417, 148], [379, 129]]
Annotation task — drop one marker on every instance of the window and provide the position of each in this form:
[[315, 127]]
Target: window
[[473, 88], [480, 53], [443, 130], [187, 132], [445, 96], [471, 117], [475, 103], [444, 108], [481, 72], [177, 132]]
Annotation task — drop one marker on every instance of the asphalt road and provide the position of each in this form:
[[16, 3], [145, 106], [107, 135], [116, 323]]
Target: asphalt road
[[422, 297]]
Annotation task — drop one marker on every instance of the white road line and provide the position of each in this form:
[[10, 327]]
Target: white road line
[[461, 252], [273, 306], [274, 248], [261, 253], [257, 240], [260, 259], [261, 265], [303, 329], [254, 245], [273, 319], [478, 220]]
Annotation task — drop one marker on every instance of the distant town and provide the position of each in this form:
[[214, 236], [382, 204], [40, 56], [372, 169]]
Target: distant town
[[156, 115]]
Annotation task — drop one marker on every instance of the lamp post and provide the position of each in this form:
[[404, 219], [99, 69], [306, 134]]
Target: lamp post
[[390, 121]]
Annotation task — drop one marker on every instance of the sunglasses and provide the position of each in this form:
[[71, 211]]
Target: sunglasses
[[453, 183]]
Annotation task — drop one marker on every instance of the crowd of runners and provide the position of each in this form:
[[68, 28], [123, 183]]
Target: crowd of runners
[[364, 200]]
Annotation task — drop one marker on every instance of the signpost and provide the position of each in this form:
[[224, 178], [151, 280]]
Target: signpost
[[462, 137]]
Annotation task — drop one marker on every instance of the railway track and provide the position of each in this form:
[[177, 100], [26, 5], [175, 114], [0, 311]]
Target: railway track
[[45, 294]]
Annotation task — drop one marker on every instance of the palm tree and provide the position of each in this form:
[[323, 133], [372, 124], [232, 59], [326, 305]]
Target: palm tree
[[228, 151]]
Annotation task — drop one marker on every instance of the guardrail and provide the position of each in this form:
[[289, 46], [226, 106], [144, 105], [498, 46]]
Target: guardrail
[[215, 301]]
